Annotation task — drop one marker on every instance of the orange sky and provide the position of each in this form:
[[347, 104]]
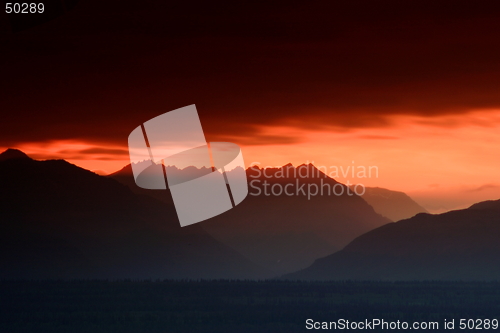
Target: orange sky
[[411, 89], [445, 162]]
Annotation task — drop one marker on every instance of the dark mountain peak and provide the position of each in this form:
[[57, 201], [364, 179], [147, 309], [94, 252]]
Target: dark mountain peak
[[311, 171], [125, 171], [308, 172], [11, 154], [308, 166]]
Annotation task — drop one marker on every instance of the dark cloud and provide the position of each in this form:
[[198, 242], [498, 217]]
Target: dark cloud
[[259, 139], [105, 67], [104, 151]]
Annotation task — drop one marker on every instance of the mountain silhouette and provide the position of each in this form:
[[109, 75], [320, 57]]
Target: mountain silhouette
[[392, 204], [458, 245], [279, 232], [62, 221], [11, 154]]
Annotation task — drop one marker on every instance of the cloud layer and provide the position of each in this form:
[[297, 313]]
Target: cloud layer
[[94, 74]]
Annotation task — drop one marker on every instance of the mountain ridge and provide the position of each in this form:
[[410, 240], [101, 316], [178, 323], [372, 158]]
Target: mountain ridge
[[457, 245], [78, 224], [395, 205], [279, 232]]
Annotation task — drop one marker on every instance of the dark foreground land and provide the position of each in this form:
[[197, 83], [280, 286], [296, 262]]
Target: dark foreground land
[[235, 306]]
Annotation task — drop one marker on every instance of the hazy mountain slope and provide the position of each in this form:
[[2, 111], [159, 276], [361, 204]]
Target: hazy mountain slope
[[58, 220], [125, 177], [392, 204], [458, 245], [288, 232], [285, 233]]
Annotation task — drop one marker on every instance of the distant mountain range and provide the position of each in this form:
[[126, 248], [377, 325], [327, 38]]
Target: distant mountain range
[[62, 221], [392, 204], [280, 232], [458, 245]]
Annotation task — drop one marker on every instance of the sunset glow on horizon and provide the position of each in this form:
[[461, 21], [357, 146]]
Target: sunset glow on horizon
[[422, 156], [412, 92]]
